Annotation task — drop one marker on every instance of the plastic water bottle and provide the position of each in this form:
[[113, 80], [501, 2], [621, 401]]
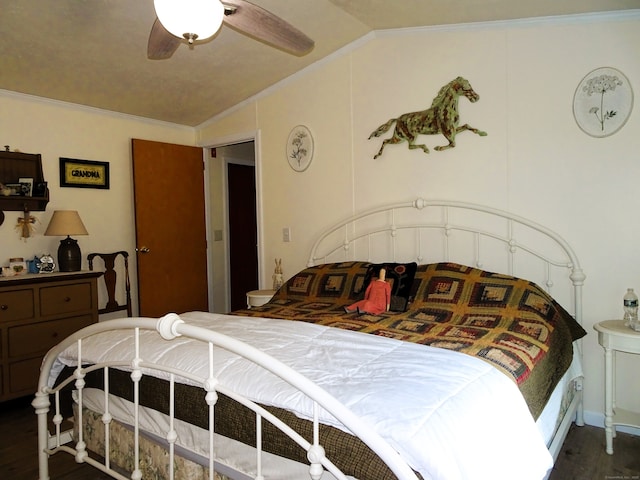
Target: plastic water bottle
[[631, 309]]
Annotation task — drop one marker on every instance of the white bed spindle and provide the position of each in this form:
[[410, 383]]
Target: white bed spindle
[[211, 398], [446, 231], [106, 420], [259, 447], [476, 250], [549, 282], [316, 453], [513, 246], [172, 436], [136, 375], [57, 418], [79, 384]]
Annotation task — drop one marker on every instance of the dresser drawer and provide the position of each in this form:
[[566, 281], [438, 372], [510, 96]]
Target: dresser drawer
[[16, 305], [40, 337], [21, 376], [63, 299]]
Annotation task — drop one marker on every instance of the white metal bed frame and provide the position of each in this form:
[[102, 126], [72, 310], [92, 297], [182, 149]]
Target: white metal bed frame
[[353, 238]]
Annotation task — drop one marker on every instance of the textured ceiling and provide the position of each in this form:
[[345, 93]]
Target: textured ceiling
[[93, 52]]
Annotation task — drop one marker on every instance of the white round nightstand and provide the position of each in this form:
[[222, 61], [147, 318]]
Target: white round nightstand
[[614, 337], [256, 298]]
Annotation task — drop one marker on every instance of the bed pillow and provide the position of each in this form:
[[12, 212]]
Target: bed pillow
[[334, 282], [400, 276]]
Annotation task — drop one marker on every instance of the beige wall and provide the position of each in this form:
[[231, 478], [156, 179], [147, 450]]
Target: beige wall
[[535, 161], [63, 130]]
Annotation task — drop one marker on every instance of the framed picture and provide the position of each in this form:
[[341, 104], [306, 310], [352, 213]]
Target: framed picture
[[300, 148], [83, 173], [40, 189], [19, 189], [27, 186], [602, 102]]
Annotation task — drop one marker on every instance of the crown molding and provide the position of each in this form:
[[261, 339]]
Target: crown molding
[[25, 97]]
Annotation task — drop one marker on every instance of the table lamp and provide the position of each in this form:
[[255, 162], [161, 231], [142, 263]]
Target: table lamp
[[67, 222]]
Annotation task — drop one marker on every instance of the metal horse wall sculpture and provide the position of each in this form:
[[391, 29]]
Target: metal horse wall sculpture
[[441, 117]]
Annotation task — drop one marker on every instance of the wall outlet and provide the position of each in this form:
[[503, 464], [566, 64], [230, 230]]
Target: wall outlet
[[286, 234]]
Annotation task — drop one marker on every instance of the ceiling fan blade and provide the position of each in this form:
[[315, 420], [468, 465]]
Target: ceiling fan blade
[[161, 43], [264, 25]]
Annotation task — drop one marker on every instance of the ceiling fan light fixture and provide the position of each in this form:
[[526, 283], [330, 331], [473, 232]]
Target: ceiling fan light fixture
[[190, 19]]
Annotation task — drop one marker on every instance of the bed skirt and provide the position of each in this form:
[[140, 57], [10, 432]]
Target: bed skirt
[[154, 457]]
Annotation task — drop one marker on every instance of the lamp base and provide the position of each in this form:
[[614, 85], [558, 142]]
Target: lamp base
[[69, 256]]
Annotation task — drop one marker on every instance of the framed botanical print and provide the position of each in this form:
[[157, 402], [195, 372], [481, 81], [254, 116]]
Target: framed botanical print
[[602, 102], [300, 148]]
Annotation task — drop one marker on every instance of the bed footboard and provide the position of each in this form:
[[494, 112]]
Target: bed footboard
[[170, 328]]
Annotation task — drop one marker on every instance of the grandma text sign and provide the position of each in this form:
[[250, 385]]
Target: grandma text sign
[[83, 173]]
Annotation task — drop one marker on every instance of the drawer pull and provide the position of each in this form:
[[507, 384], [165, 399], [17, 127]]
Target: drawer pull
[[4, 307], [67, 299]]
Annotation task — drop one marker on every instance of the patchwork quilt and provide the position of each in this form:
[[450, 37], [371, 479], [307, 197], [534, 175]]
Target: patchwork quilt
[[507, 321]]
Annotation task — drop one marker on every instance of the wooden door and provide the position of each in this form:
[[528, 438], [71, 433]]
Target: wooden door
[[243, 237], [170, 228]]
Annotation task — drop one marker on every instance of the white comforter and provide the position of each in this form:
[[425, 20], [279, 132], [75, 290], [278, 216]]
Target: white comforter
[[451, 416]]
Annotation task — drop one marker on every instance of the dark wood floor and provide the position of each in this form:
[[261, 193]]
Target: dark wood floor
[[582, 456]]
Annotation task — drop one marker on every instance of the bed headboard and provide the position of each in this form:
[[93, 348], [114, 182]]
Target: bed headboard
[[429, 231]]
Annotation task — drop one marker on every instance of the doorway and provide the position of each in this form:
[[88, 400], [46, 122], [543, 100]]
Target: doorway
[[233, 222], [243, 241]]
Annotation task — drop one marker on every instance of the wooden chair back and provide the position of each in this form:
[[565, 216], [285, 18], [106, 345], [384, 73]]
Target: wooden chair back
[[110, 280]]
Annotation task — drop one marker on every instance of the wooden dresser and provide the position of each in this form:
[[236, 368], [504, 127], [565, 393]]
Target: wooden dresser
[[36, 312]]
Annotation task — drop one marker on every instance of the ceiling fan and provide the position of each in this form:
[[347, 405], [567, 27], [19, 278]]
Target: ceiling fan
[[200, 19]]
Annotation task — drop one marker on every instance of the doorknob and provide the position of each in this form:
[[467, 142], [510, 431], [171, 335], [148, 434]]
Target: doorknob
[[143, 250]]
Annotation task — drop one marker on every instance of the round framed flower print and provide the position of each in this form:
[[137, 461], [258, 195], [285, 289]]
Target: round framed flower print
[[602, 102]]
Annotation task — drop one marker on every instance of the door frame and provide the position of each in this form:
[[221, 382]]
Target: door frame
[[215, 142]]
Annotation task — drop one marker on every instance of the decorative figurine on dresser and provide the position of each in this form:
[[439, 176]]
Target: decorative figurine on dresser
[[46, 264]]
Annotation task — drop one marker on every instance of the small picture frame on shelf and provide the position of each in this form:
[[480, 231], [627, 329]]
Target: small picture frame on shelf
[[17, 266], [27, 186], [16, 189], [40, 189]]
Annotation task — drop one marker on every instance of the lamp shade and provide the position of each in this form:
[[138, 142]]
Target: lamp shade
[[65, 222], [190, 19]]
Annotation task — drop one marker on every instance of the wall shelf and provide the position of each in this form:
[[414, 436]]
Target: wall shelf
[[17, 165]]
